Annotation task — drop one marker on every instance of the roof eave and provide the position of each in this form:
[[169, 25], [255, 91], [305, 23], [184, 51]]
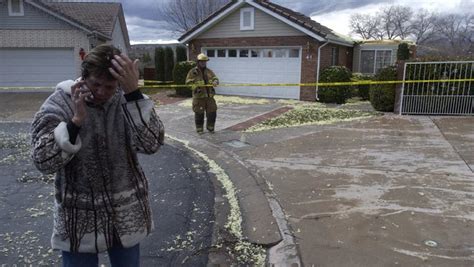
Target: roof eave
[[123, 26], [210, 23], [339, 42]]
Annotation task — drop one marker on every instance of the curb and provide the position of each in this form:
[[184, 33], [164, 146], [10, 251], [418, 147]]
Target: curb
[[258, 224], [255, 120]]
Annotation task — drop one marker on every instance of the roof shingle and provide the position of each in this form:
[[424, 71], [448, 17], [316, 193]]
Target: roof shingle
[[99, 17]]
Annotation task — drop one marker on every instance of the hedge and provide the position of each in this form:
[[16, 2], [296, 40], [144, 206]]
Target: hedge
[[382, 96], [335, 94], [362, 89], [181, 54], [160, 63], [180, 72], [403, 51], [169, 64]]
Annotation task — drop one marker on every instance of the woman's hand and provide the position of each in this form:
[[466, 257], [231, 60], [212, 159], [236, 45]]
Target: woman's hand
[[79, 93], [126, 72]]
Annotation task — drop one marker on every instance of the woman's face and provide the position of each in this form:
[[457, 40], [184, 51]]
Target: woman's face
[[102, 89]]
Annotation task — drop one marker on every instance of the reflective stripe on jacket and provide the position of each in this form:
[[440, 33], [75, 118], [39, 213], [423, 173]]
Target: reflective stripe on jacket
[[196, 78]]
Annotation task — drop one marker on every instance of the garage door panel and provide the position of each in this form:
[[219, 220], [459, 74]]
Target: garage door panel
[[36, 70], [257, 70], [261, 72], [258, 91], [36, 67], [51, 80]]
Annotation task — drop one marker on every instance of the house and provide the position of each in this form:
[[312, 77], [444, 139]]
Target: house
[[41, 42], [257, 41], [371, 56]]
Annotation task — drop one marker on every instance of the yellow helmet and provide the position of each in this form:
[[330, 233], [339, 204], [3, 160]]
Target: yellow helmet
[[202, 57]]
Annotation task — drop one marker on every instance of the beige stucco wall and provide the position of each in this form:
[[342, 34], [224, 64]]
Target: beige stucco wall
[[46, 39]]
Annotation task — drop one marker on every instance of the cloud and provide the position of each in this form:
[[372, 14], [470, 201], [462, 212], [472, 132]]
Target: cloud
[[338, 20], [146, 25], [146, 9], [312, 7], [149, 31]]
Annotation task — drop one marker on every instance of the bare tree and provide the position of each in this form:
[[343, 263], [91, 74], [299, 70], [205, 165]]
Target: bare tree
[[423, 26], [467, 33], [388, 25], [449, 34], [365, 26], [401, 19], [450, 27], [182, 15]]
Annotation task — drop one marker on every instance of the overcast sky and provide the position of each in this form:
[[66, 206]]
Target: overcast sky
[[145, 25]]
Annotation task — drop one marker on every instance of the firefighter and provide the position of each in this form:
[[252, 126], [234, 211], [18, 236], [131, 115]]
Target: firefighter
[[203, 81]]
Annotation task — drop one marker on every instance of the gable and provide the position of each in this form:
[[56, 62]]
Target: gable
[[118, 39], [33, 19], [264, 26]]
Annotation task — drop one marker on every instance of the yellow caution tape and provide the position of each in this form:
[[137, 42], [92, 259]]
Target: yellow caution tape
[[325, 84], [321, 84], [153, 81]]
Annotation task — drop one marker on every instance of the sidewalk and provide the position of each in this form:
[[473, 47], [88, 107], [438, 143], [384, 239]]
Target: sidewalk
[[385, 191]]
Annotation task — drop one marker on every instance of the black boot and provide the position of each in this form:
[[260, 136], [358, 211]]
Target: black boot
[[199, 120], [211, 121]]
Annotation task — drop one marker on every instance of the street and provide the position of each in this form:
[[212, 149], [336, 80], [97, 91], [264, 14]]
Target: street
[[181, 196]]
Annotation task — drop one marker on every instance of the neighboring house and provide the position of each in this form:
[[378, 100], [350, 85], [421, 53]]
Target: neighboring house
[[371, 56], [256, 41], [40, 41]]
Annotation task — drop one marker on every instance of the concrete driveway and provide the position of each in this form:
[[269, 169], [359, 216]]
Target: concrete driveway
[[384, 191], [388, 191]]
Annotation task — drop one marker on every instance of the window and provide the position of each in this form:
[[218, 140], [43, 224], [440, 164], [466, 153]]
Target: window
[[371, 61], [267, 53], [367, 61], [294, 52], [281, 52], [220, 52], [252, 52], [246, 19], [255, 52], [15, 8], [211, 52], [382, 59], [243, 53], [335, 56]]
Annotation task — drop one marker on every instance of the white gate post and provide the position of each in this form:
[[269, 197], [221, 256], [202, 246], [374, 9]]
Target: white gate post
[[399, 88]]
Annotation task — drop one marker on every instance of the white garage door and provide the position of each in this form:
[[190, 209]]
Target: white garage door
[[35, 67], [257, 65]]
